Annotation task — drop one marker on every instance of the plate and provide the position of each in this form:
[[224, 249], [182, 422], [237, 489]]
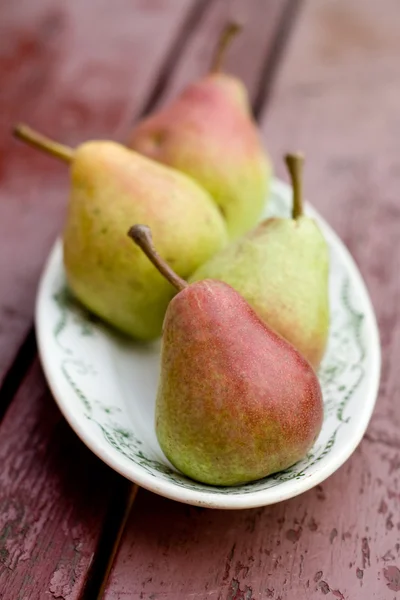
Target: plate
[[106, 385]]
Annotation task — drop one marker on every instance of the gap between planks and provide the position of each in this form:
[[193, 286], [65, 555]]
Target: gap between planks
[[17, 372], [110, 540], [194, 17], [273, 58]]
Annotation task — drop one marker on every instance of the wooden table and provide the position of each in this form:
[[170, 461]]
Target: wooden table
[[323, 76]]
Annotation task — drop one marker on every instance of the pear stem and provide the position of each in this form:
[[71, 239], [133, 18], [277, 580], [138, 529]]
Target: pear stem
[[228, 33], [32, 137], [141, 235], [294, 164]]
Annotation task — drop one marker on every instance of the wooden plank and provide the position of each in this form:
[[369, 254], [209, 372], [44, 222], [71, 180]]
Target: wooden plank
[[54, 495], [294, 549], [259, 20], [76, 71], [337, 98]]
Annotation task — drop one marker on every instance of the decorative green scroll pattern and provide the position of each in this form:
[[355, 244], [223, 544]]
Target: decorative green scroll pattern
[[341, 374]]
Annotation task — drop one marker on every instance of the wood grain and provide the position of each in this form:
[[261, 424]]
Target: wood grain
[[336, 98], [174, 551], [75, 71], [54, 495]]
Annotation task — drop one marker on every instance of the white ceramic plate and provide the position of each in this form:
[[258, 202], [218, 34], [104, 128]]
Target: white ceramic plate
[[106, 386]]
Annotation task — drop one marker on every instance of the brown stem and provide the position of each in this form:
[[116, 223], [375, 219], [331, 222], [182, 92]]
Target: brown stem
[[28, 135], [228, 33], [141, 235], [294, 164]]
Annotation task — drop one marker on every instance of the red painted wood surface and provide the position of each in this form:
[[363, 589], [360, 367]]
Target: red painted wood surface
[[248, 53], [54, 495], [336, 97]]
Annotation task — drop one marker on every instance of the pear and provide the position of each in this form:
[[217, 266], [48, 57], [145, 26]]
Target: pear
[[235, 402], [209, 133], [282, 269], [112, 186]]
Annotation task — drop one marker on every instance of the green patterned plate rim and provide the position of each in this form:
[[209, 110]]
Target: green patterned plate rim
[[105, 385]]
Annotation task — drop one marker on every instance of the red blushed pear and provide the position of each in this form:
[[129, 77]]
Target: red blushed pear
[[110, 187], [236, 402], [209, 133], [281, 268]]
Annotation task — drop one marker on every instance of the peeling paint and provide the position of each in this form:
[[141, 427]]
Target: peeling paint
[[301, 565], [394, 463], [320, 493], [324, 587], [366, 560], [241, 567], [392, 574], [389, 522], [388, 556], [382, 507], [293, 535], [393, 494], [235, 593], [312, 525], [229, 562], [280, 522]]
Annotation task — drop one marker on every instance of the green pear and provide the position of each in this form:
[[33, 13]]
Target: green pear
[[235, 402], [282, 269], [112, 186], [209, 133]]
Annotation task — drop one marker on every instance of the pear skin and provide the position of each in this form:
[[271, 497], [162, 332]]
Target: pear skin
[[235, 401], [267, 267], [209, 133], [282, 269], [112, 187]]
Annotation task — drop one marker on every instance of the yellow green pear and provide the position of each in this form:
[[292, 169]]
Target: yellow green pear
[[281, 268], [209, 133], [112, 187]]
